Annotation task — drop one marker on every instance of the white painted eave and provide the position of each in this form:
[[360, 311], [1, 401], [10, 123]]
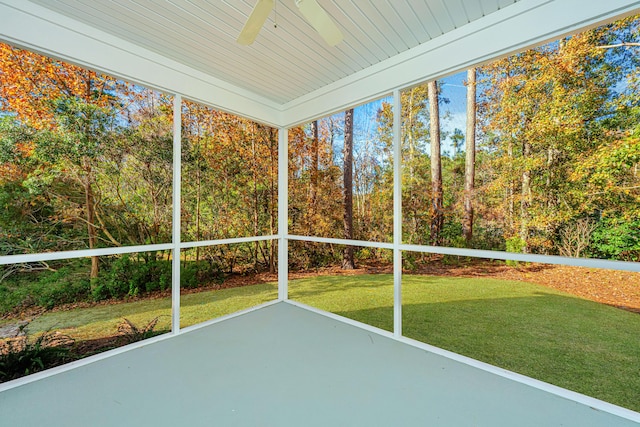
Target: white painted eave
[[30, 26], [524, 24]]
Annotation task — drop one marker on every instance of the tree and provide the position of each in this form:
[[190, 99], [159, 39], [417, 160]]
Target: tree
[[416, 190], [348, 261], [547, 108], [72, 104], [83, 129], [470, 157], [315, 165], [437, 209]]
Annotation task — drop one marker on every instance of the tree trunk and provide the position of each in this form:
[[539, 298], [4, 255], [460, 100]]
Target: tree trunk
[[198, 199], [409, 134], [348, 262], [315, 165], [437, 214], [90, 213], [510, 191], [470, 157], [256, 196], [525, 201], [273, 141]]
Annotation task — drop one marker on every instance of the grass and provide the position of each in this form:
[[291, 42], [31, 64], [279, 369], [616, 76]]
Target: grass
[[103, 320], [577, 344]]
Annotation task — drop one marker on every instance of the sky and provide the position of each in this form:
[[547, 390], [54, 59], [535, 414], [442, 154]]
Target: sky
[[452, 116]]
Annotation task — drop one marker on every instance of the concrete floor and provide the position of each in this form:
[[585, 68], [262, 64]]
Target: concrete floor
[[282, 365]]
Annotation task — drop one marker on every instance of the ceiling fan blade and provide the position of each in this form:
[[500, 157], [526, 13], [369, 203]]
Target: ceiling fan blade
[[256, 20], [320, 20]]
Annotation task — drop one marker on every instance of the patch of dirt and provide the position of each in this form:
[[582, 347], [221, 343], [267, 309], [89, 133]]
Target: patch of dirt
[[620, 289], [13, 330]]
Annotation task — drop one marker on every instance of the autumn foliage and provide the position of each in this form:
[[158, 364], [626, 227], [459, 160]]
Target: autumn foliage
[[86, 162]]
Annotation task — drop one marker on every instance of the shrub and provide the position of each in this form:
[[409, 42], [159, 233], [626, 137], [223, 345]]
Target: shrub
[[517, 245], [61, 287], [409, 261], [488, 238], [133, 333], [616, 238], [125, 276], [45, 288], [189, 276], [12, 297], [452, 234]]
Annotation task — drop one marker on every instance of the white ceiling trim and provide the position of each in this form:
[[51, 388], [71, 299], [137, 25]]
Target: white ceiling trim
[[527, 23], [518, 26], [25, 24]]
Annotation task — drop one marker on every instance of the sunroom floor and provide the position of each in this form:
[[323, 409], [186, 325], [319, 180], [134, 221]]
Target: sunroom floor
[[283, 365]]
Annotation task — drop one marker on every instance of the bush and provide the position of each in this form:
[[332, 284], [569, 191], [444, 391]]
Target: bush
[[452, 234], [134, 333], [488, 238], [617, 239], [61, 287], [410, 261], [194, 274], [189, 276], [47, 288], [11, 297], [127, 277], [310, 255], [516, 245]]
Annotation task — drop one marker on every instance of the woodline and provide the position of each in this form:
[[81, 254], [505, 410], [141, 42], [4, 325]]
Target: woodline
[[483, 254], [85, 253], [542, 259]]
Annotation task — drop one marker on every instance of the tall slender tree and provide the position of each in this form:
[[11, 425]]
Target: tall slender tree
[[437, 209], [470, 157], [348, 262], [315, 166]]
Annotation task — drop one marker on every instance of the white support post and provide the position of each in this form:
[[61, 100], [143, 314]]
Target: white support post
[[397, 214], [283, 214], [175, 231]]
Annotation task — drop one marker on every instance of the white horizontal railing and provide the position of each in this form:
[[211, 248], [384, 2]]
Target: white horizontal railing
[[513, 256], [229, 241], [81, 253], [119, 250], [331, 240], [479, 253]]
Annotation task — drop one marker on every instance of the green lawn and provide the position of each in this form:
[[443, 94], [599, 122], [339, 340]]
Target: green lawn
[[577, 344], [103, 320]]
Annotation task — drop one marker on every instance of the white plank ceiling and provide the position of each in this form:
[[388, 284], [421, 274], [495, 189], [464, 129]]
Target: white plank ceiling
[[287, 61]]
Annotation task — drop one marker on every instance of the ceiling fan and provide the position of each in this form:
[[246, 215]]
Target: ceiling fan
[[310, 9]]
